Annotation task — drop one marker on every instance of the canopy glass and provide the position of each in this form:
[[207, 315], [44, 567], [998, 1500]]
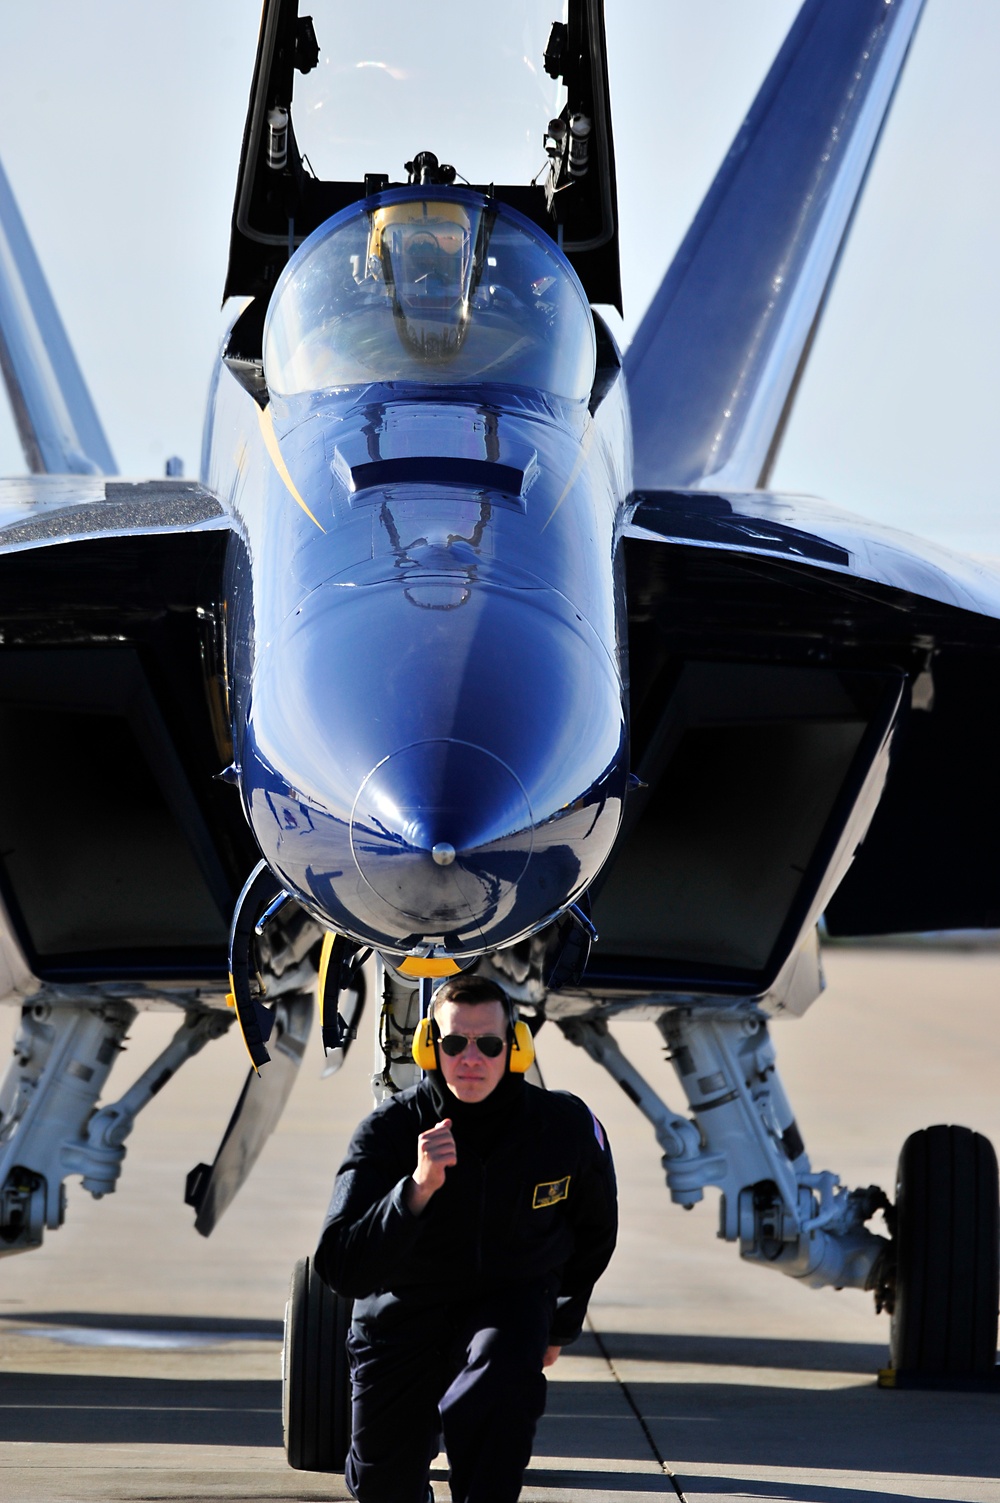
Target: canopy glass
[[434, 286]]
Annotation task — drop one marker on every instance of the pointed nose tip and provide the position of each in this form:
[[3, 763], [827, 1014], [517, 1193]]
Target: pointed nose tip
[[441, 831]]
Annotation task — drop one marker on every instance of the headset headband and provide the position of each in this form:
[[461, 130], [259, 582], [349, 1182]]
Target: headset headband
[[477, 984]]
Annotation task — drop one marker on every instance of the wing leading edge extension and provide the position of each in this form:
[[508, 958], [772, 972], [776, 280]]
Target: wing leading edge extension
[[714, 366]]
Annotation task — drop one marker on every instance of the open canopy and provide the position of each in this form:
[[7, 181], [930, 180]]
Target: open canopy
[[345, 103]]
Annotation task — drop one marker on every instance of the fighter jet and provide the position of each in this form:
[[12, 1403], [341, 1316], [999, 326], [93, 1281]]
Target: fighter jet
[[479, 646]]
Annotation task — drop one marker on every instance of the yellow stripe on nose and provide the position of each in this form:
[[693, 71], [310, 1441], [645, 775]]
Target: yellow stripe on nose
[[270, 438]]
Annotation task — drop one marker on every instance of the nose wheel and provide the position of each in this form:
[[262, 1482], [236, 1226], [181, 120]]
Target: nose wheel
[[316, 1381], [944, 1318]]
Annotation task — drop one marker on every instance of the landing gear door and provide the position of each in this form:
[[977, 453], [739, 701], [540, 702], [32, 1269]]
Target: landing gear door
[[212, 1187]]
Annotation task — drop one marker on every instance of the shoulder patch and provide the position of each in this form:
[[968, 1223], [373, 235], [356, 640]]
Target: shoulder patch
[[598, 1130], [550, 1192]]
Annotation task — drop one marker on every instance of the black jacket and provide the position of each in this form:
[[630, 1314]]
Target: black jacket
[[533, 1199]]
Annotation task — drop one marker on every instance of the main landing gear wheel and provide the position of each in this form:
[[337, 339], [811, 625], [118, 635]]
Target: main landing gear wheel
[[316, 1381], [944, 1319]]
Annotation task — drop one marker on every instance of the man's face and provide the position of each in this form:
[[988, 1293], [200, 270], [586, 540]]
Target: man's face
[[470, 1075]]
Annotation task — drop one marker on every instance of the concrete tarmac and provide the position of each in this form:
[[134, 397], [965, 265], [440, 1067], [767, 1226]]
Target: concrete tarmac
[[139, 1361]]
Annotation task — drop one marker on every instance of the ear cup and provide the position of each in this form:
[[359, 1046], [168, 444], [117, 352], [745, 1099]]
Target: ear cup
[[422, 1048], [522, 1050]]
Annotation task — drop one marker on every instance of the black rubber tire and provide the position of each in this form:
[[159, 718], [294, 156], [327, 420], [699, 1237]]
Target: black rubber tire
[[948, 1254], [316, 1382]]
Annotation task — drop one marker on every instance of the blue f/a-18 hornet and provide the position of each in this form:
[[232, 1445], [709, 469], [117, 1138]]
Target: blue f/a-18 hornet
[[479, 647]]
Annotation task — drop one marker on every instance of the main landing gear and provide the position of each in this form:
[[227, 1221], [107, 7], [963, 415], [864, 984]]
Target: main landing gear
[[50, 1125], [936, 1274], [946, 1287]]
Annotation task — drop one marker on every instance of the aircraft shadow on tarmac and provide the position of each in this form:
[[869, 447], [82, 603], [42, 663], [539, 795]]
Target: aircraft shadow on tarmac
[[105, 1409], [736, 1486], [858, 1430], [83, 1409], [84, 1320], [718, 1422], [855, 1427], [745, 1351]]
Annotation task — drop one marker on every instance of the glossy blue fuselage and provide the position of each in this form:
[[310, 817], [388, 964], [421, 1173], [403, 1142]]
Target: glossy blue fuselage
[[425, 625]]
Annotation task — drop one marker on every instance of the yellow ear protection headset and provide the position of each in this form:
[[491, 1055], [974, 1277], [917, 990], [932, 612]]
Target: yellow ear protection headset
[[520, 1054]]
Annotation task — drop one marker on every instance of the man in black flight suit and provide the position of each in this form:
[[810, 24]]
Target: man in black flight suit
[[469, 1221]]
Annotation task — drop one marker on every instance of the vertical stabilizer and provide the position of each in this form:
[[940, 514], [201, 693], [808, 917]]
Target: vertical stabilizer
[[713, 369], [56, 420]]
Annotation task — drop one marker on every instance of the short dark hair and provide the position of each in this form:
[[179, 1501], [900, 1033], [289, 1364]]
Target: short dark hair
[[471, 989]]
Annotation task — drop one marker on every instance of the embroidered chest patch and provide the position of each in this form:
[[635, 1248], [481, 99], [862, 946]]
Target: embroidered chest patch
[[549, 1193]]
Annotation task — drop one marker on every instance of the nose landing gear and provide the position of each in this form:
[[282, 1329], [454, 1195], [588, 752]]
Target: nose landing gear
[[315, 1377]]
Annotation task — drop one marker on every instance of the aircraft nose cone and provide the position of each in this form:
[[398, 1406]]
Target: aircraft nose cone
[[442, 831]]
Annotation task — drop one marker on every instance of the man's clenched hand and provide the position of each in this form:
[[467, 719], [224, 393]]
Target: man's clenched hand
[[435, 1154]]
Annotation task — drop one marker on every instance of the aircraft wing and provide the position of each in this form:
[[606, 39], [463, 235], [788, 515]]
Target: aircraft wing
[[815, 534], [120, 855], [773, 640], [40, 510], [782, 650]]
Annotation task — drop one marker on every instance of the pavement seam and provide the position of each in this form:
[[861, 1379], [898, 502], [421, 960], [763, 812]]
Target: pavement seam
[[630, 1401]]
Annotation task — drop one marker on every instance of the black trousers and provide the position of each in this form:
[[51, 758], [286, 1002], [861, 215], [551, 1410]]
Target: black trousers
[[469, 1372]]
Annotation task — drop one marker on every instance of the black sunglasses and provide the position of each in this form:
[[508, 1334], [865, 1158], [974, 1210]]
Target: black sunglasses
[[487, 1043]]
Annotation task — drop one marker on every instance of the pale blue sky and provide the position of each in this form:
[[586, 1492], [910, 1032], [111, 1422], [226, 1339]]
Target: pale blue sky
[[120, 127]]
